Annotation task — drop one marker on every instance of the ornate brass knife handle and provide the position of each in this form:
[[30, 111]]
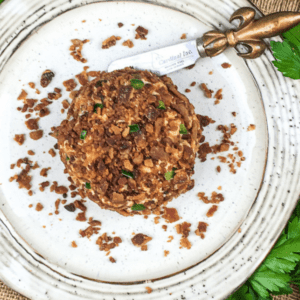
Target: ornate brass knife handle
[[250, 32]]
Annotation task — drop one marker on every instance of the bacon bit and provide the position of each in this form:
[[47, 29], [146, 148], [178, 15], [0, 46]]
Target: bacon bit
[[23, 95], [218, 169], [32, 85], [30, 152], [141, 33], [164, 227], [44, 172], [211, 72], [53, 186], [149, 290], [193, 83], [81, 217], [219, 188], [35, 166], [70, 85], [112, 260], [74, 245], [187, 90], [170, 215], [37, 91], [88, 232], [12, 166], [19, 138], [207, 92], [83, 21], [140, 240], [202, 226], [65, 104], [111, 41], [156, 220], [30, 205], [61, 190], [39, 207], [225, 65], [120, 25], [36, 135], [240, 153], [76, 49], [183, 36], [211, 211], [234, 114], [215, 198], [218, 96], [240, 230], [24, 180], [57, 202], [166, 253], [30, 193], [251, 127], [222, 159], [170, 238], [52, 152], [78, 204], [43, 185], [238, 163], [128, 43]]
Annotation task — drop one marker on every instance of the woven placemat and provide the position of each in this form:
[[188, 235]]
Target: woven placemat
[[266, 6]]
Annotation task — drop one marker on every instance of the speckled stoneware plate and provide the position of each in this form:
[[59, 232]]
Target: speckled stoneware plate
[[36, 254]]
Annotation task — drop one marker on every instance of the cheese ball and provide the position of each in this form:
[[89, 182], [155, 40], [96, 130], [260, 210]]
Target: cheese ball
[[130, 141]]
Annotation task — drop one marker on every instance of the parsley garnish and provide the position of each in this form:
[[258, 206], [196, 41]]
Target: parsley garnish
[[134, 128], [83, 134], [182, 129], [280, 268], [287, 53], [137, 84], [88, 185], [171, 174], [138, 207], [67, 158], [127, 174], [96, 106], [161, 105]]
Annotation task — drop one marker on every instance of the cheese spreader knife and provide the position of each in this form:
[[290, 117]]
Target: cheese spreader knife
[[249, 33]]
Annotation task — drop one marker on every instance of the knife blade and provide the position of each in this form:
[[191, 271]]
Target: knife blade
[[249, 33], [162, 61]]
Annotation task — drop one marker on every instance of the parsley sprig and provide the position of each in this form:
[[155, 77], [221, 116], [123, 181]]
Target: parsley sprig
[[280, 268], [287, 53]]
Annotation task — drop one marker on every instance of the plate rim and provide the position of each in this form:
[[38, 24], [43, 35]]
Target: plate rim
[[155, 3]]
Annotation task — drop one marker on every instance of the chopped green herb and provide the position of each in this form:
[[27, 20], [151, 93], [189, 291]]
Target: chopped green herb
[[182, 129], [171, 174], [137, 84], [99, 83], [96, 106], [127, 174], [138, 207], [134, 128], [88, 185], [83, 134], [67, 158], [161, 105]]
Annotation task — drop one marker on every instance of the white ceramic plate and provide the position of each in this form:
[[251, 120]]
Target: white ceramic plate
[[43, 257]]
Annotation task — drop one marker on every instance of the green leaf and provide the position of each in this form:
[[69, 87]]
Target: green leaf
[[294, 229], [138, 207], [127, 174], [88, 185], [293, 36], [67, 158], [161, 105], [287, 250], [271, 280], [279, 265], [96, 106], [137, 84], [288, 62], [259, 289], [134, 128], [171, 174], [182, 129], [83, 134]]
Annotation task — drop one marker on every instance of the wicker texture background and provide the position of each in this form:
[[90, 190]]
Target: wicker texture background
[[266, 6]]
